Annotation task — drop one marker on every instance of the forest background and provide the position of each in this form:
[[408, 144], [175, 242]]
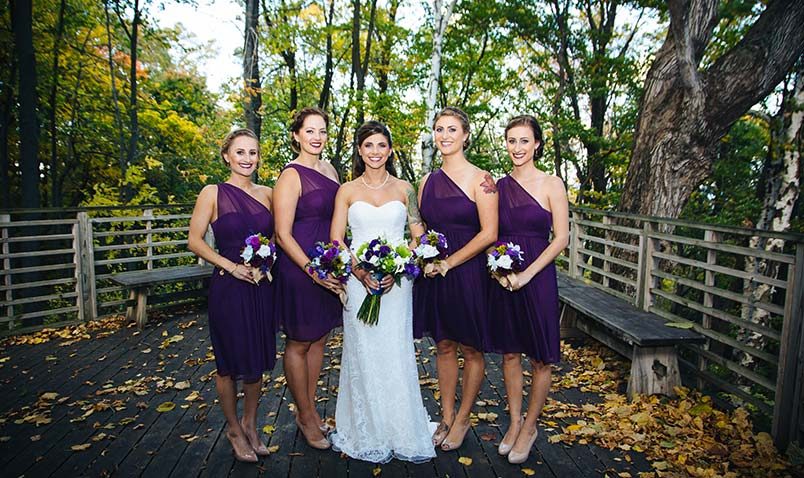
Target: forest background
[[677, 109]]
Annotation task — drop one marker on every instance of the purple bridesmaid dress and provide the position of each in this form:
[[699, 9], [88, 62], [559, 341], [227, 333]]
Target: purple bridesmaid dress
[[452, 307], [525, 321], [241, 320], [305, 310]]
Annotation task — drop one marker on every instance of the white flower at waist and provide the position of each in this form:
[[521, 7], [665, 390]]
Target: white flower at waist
[[264, 251], [426, 251], [248, 253], [505, 261]]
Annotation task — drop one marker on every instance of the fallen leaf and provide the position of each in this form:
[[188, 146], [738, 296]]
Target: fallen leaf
[[273, 449], [165, 407], [465, 461], [268, 429], [528, 471], [80, 447], [488, 436], [376, 471], [183, 385], [36, 437], [49, 396]]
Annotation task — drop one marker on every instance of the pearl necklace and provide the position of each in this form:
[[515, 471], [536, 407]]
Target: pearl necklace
[[387, 176]]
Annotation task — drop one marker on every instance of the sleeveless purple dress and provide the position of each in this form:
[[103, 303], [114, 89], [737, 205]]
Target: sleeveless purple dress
[[241, 321], [527, 320], [305, 310], [452, 307]]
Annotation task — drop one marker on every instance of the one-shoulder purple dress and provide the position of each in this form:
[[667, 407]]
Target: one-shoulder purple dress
[[241, 320], [305, 310], [452, 307], [527, 320]]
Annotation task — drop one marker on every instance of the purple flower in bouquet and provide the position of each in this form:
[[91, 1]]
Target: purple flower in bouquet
[[505, 258], [259, 252], [432, 248], [380, 258], [330, 258]]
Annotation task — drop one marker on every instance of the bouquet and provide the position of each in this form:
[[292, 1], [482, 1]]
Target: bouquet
[[380, 258], [331, 258], [431, 250], [505, 258], [259, 252]]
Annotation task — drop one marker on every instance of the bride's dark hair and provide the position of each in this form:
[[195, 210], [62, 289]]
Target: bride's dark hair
[[363, 132]]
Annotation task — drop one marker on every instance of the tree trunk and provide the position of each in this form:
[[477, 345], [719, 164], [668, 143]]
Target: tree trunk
[[780, 192], [385, 55], [441, 15], [22, 24], [251, 68], [6, 106], [118, 120], [133, 114], [323, 98], [685, 111], [55, 190], [364, 66]]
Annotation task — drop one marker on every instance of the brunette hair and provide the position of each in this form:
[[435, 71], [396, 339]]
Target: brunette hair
[[531, 122], [298, 121], [463, 118], [363, 132], [234, 134]]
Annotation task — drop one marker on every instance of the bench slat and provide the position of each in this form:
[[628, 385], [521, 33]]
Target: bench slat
[[623, 319], [162, 276]]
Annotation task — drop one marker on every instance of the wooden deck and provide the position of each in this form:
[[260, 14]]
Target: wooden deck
[[90, 409]]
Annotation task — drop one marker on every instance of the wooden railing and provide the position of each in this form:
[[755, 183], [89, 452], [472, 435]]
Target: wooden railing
[[741, 289]]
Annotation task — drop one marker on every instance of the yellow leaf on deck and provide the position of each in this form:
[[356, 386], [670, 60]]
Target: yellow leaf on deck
[[376, 471], [165, 407], [49, 396], [273, 449], [268, 429], [465, 461], [80, 447], [528, 471], [183, 385]]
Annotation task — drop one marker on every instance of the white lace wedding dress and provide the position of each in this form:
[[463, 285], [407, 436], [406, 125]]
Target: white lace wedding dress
[[379, 413]]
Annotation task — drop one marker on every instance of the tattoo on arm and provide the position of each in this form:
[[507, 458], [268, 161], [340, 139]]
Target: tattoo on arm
[[413, 208], [488, 185]]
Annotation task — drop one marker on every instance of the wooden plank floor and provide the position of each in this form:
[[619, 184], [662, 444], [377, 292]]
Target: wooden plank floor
[[101, 396]]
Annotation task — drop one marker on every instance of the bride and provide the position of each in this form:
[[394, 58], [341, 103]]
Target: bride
[[379, 413]]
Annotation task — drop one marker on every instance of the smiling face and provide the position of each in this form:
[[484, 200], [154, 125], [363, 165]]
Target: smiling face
[[449, 135], [521, 144], [243, 155], [312, 136], [374, 151]]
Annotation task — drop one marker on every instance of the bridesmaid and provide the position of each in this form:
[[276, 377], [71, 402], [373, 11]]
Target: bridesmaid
[[307, 307], [460, 201], [526, 315], [241, 324]]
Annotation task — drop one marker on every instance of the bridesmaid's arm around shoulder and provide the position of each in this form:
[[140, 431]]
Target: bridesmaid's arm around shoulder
[[559, 208]]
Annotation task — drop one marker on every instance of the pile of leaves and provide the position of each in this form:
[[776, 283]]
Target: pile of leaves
[[69, 335], [682, 436]]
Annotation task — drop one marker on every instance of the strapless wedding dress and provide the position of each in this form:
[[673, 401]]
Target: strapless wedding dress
[[379, 413]]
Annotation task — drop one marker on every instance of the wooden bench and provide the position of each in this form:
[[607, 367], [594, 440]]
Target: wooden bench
[[140, 283], [641, 336]]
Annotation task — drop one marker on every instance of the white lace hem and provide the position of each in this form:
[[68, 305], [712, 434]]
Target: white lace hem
[[380, 454]]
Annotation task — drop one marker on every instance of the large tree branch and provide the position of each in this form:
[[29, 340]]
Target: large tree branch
[[691, 26], [750, 70]]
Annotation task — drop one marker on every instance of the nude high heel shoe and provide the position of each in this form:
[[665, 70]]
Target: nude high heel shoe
[[516, 458], [505, 448]]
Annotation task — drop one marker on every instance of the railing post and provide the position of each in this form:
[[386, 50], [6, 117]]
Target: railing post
[[787, 400], [606, 250], [575, 244], [80, 275], [88, 268], [149, 254], [646, 263], [708, 298], [7, 281]]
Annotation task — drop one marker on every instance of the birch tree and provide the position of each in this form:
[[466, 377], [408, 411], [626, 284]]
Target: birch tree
[[442, 11]]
